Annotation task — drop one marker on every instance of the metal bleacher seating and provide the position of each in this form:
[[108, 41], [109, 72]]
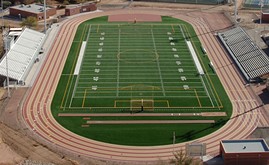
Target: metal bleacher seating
[[251, 60], [22, 55]]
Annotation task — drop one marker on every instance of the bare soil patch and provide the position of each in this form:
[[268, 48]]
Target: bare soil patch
[[8, 156]]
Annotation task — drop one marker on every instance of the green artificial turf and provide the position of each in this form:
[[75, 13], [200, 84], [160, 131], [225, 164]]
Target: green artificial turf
[[138, 63]]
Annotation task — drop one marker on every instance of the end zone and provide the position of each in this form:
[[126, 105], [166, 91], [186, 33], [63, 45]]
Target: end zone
[[135, 18]]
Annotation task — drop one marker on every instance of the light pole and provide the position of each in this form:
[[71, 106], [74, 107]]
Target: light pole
[[6, 49], [261, 4], [255, 36], [174, 140], [235, 11], [2, 12], [45, 17]]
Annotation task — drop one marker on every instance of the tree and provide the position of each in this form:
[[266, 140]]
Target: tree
[[181, 158], [29, 22], [6, 4], [27, 2], [66, 2]]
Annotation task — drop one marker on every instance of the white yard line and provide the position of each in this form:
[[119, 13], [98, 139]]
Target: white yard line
[[157, 61], [150, 97], [65, 102], [206, 90], [212, 92], [118, 67]]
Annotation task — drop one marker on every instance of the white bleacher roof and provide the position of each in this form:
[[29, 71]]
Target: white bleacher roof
[[22, 55], [32, 8], [15, 29], [252, 61], [243, 146], [14, 33]]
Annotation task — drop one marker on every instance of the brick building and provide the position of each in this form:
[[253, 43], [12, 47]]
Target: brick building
[[245, 152], [265, 16], [80, 8], [35, 10]]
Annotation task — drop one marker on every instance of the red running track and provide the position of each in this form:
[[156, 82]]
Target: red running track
[[37, 115]]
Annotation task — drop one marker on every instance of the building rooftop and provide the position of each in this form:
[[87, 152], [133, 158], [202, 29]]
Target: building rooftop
[[72, 6], [265, 11], [33, 8], [241, 146], [79, 5], [22, 55], [251, 60]]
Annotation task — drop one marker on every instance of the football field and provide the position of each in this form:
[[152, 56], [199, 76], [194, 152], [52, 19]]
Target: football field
[[127, 66], [124, 79]]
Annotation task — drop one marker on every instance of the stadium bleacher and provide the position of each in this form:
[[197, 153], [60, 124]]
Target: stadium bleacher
[[251, 60], [22, 55], [254, 4]]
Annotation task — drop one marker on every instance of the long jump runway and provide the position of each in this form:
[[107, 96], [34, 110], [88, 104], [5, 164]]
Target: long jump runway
[[37, 113]]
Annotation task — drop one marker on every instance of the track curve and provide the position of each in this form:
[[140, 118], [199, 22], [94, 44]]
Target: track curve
[[37, 115]]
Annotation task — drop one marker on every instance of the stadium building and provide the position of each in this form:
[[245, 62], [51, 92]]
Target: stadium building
[[35, 10], [247, 152], [81, 8], [249, 58], [21, 54], [265, 16]]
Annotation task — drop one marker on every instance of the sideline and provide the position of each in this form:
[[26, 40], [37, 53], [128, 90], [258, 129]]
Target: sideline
[[80, 57]]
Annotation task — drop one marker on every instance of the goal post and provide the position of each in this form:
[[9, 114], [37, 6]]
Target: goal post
[[141, 105]]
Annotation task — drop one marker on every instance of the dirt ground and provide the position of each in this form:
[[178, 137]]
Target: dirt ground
[[8, 155], [16, 148]]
